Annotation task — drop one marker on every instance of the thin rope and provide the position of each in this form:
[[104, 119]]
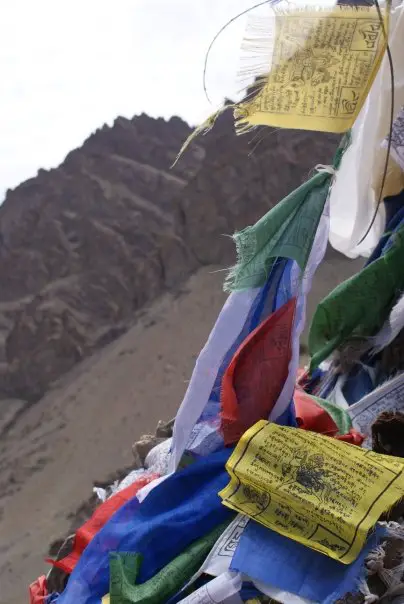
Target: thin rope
[[264, 136], [219, 33]]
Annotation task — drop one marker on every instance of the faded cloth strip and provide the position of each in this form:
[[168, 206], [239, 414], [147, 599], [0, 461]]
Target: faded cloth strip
[[124, 570], [360, 305], [256, 374], [286, 231]]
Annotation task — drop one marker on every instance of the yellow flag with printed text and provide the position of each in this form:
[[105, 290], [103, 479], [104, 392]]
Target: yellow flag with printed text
[[319, 491], [322, 65]]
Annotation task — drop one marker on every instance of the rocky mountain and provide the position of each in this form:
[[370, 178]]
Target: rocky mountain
[[85, 246]]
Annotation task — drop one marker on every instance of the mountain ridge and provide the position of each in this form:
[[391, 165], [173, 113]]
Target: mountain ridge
[[85, 246]]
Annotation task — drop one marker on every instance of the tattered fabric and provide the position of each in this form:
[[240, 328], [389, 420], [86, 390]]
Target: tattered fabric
[[360, 305], [286, 231], [179, 510], [255, 377]]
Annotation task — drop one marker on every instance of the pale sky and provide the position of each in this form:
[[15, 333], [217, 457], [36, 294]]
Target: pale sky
[[69, 66]]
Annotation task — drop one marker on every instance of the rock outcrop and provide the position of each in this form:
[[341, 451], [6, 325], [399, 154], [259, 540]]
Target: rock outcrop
[[85, 246]]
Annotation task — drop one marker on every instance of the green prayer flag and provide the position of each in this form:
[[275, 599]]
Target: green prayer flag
[[360, 305], [286, 231], [339, 416], [124, 569]]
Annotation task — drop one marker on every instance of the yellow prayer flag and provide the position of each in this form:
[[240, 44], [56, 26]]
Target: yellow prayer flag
[[106, 599], [319, 491], [323, 64]]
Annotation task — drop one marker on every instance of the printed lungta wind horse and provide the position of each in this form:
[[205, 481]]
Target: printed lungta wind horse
[[309, 472]]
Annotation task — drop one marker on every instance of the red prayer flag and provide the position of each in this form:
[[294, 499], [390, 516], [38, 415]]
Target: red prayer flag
[[100, 517], [256, 374], [311, 416], [38, 591]]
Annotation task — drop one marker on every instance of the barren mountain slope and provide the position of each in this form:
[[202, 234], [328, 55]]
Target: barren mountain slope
[[84, 246]]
